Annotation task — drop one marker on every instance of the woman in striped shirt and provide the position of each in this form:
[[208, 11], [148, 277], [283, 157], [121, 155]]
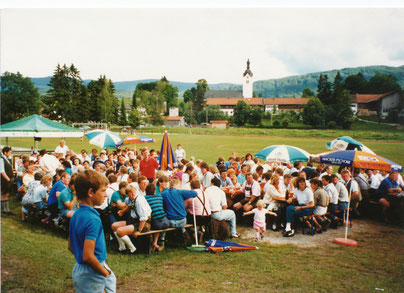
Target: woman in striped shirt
[[158, 215]]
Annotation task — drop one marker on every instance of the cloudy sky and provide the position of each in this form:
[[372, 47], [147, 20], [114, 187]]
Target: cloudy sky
[[186, 44]]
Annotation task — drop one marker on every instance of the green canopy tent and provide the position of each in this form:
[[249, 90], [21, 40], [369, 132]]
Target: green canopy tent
[[37, 127]]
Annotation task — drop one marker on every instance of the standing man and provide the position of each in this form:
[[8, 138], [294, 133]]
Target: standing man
[[6, 171], [148, 166], [61, 149], [180, 153], [353, 187]]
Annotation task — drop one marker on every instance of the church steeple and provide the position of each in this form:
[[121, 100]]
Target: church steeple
[[247, 82], [248, 71]]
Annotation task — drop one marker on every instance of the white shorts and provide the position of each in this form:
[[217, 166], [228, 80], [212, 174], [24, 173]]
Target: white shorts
[[319, 211]]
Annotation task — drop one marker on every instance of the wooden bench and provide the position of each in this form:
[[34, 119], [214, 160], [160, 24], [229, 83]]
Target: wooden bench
[[150, 233]]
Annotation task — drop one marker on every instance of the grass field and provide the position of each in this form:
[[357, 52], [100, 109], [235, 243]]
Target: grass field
[[209, 147], [35, 258]]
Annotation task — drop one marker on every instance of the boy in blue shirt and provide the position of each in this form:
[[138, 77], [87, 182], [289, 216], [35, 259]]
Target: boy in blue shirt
[[86, 236]]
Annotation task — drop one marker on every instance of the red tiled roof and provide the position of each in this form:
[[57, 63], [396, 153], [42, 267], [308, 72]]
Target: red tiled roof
[[286, 101], [360, 98], [218, 121], [173, 118], [233, 101], [257, 101]]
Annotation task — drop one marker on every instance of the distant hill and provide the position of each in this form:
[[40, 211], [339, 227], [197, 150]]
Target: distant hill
[[291, 86]]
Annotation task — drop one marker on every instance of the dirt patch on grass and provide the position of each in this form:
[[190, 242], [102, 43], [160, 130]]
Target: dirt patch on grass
[[12, 272], [365, 232]]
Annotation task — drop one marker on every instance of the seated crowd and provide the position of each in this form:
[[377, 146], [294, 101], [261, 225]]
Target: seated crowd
[[140, 197]]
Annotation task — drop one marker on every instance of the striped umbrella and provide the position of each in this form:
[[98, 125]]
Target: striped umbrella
[[103, 138], [359, 159], [347, 143], [167, 160], [283, 154], [133, 139]]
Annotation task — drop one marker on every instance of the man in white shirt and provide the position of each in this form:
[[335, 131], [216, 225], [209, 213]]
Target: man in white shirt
[[328, 171], [48, 163], [252, 191], [343, 196], [206, 175], [352, 187], [218, 204], [61, 149], [180, 153], [142, 184], [374, 181], [333, 195], [382, 175]]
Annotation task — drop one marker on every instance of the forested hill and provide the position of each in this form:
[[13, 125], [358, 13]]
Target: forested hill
[[282, 87], [293, 85]]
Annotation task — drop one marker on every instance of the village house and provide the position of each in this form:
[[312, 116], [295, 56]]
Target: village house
[[227, 100], [219, 124], [173, 119], [377, 104]]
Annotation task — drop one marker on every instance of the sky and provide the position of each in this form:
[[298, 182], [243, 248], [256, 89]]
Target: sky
[[185, 43]]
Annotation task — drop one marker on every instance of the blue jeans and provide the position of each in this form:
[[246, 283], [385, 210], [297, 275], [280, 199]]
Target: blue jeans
[[178, 224], [291, 213], [342, 206], [332, 207], [40, 205], [227, 215], [85, 279]]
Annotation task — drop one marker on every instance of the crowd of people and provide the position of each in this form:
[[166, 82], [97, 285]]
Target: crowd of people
[[123, 193], [140, 197]]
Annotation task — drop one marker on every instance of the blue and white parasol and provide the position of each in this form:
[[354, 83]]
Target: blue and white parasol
[[103, 138], [283, 154], [343, 143]]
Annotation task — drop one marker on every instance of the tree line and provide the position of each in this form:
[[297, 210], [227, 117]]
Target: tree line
[[70, 100], [332, 105]]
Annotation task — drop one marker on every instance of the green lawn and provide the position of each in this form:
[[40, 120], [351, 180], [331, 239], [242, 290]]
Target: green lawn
[[35, 258], [210, 147]]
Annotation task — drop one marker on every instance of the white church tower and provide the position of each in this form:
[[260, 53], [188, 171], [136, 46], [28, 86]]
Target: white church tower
[[248, 82]]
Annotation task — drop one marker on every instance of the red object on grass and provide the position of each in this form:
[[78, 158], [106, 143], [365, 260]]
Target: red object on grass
[[345, 242], [350, 223]]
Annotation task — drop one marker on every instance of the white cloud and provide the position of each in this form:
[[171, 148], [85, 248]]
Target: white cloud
[[188, 44]]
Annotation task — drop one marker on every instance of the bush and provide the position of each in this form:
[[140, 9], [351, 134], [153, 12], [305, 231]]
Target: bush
[[276, 123], [267, 116], [331, 125], [285, 122], [314, 113]]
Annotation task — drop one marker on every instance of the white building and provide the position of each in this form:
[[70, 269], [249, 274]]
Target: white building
[[248, 82]]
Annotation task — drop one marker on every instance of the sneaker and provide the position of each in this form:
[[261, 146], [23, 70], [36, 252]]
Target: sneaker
[[256, 239], [235, 235], [290, 233], [274, 228]]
